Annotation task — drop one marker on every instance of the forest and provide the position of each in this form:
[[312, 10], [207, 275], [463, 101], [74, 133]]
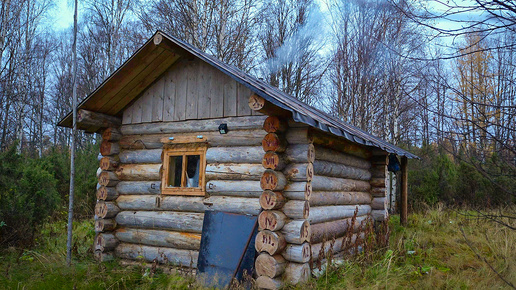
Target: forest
[[436, 78]]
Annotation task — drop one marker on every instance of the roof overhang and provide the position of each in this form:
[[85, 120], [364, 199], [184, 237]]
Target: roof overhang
[[130, 79], [161, 51]]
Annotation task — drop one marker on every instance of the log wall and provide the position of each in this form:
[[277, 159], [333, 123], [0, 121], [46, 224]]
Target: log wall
[[133, 218], [317, 199], [380, 202]]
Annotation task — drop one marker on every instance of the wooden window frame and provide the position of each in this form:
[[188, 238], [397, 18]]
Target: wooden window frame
[[184, 151]]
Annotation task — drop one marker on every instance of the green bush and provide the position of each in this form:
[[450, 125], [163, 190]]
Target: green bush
[[28, 197], [462, 181]]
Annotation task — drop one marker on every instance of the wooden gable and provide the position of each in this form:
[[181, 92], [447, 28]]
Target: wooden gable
[[189, 89]]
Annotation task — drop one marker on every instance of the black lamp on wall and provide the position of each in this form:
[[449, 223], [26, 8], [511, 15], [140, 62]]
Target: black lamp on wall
[[223, 128]]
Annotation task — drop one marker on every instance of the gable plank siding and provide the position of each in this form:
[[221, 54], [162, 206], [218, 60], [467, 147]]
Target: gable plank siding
[[192, 93], [189, 90], [169, 98], [157, 100]]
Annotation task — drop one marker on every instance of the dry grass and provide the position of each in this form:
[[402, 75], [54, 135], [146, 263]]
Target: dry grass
[[431, 252]]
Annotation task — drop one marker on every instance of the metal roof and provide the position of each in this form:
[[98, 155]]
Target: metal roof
[[301, 112]]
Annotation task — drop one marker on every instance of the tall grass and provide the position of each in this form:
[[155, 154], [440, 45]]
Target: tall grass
[[431, 252]]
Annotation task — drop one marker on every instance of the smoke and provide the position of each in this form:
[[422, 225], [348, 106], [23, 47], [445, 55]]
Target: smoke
[[308, 36]]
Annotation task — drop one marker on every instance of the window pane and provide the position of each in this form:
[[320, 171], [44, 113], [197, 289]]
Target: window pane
[[175, 169], [192, 170]]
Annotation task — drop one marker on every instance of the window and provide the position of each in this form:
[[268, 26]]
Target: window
[[183, 170]]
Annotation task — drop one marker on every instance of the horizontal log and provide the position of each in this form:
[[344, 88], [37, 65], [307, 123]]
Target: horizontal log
[[175, 221], [109, 163], [379, 215], [332, 169], [324, 183], [331, 141], [327, 154], [273, 160], [106, 210], [297, 253], [105, 242], [189, 203], [107, 193], [274, 142], [244, 188], [274, 124], [272, 199], [108, 178], [159, 203], [239, 205], [111, 134], [105, 225], [270, 242], [259, 104], [138, 187], [298, 190], [379, 171], [270, 266], [234, 171], [95, 119], [380, 159], [300, 153], [320, 214], [273, 180], [335, 229], [322, 250], [141, 156], [265, 282], [379, 203], [169, 256], [299, 172], [296, 209], [296, 273], [377, 182], [159, 238], [232, 138], [298, 136], [273, 220], [297, 231], [108, 148], [378, 191], [102, 256], [234, 123], [237, 154], [320, 198], [138, 172]]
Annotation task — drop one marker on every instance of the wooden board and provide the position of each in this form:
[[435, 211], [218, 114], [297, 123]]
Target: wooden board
[[188, 90]]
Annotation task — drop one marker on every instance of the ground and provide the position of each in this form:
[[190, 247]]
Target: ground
[[431, 252]]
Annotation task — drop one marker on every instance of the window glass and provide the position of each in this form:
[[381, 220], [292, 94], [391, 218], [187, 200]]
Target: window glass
[[192, 170], [175, 170]]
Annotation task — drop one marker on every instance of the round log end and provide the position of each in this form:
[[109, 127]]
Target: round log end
[[271, 200], [273, 142], [271, 220], [270, 266], [270, 242], [274, 124], [256, 102], [158, 38], [271, 160]]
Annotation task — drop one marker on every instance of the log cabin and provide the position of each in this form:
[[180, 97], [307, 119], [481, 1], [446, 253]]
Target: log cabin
[[183, 133]]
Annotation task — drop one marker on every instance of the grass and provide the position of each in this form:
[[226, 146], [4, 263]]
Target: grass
[[430, 252]]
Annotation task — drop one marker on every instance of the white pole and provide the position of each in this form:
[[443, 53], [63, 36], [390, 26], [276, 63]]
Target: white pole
[[74, 130]]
